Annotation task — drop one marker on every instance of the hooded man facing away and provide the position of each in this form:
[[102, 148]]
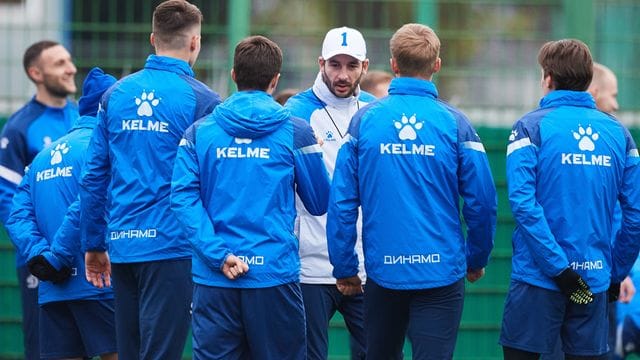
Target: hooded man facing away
[[233, 189]]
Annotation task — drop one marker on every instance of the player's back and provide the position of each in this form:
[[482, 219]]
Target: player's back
[[143, 119]]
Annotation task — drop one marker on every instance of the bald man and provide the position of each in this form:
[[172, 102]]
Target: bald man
[[604, 88]]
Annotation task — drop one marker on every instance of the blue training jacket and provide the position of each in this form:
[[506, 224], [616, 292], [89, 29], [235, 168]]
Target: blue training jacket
[[233, 189], [408, 160], [131, 157], [49, 190], [29, 130], [567, 164]]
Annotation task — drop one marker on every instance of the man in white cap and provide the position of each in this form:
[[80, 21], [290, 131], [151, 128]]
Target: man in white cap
[[328, 106]]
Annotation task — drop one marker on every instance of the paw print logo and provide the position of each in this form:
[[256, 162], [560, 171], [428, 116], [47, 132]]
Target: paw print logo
[[242, 141], [57, 152], [329, 135], [586, 138], [514, 135], [146, 103], [407, 127]]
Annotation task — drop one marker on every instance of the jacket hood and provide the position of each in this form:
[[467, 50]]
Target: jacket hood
[[95, 84], [250, 114]]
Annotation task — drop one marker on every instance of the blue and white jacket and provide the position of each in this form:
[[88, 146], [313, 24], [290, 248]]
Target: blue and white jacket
[[39, 227], [567, 164], [408, 160], [130, 161], [233, 189], [329, 116], [29, 130]]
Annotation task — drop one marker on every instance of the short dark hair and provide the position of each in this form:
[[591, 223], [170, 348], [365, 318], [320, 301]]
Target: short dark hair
[[33, 52], [256, 61], [171, 21], [569, 63]]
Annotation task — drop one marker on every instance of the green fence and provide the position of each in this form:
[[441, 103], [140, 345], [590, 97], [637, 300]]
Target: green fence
[[489, 47]]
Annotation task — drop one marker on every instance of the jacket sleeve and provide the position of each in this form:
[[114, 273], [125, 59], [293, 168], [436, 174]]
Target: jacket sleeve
[[66, 240], [94, 184], [13, 159], [22, 225], [311, 177], [478, 191], [522, 160], [187, 205], [342, 216], [626, 244]]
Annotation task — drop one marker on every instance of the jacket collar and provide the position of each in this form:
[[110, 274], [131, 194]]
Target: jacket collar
[[412, 86], [567, 97], [166, 63]]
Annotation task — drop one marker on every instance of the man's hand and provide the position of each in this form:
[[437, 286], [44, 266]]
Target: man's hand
[[350, 286], [234, 267], [574, 287], [97, 268], [627, 290], [41, 268], [474, 275]]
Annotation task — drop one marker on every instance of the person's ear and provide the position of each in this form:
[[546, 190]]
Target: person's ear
[[35, 74], [233, 76], [152, 40], [437, 65], [195, 39], [273, 84], [365, 65], [547, 82], [394, 67]]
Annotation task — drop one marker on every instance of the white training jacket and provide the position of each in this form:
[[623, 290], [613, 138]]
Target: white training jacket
[[329, 117]]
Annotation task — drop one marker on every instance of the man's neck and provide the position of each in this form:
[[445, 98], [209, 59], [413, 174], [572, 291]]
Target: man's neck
[[50, 100]]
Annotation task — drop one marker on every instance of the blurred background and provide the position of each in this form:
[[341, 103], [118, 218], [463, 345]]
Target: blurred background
[[489, 50]]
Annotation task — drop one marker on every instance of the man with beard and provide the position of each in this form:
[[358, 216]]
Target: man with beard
[[45, 118], [328, 106]]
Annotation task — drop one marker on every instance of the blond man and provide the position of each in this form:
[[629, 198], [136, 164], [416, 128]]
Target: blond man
[[416, 156]]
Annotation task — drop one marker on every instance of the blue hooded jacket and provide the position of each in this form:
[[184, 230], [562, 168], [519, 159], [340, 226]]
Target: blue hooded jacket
[[567, 164], [408, 160], [130, 161], [49, 190], [233, 189]]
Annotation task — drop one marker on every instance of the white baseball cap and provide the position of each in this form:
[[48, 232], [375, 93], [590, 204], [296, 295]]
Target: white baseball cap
[[346, 41]]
